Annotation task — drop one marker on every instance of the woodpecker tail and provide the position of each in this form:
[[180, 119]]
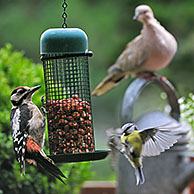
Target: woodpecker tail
[[139, 175], [34, 152], [48, 164]]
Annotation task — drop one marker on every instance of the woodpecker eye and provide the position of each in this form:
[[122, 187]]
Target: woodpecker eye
[[20, 91]]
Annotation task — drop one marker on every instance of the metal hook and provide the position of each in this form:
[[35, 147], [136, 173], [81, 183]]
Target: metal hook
[[136, 87]]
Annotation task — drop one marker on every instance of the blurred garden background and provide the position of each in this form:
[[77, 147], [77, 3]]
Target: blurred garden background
[[109, 27]]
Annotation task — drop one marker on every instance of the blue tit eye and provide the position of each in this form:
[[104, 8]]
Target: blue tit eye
[[132, 128], [129, 129], [127, 132], [126, 128]]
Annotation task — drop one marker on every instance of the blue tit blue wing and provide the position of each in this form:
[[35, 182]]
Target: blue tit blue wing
[[158, 139], [114, 138], [114, 142]]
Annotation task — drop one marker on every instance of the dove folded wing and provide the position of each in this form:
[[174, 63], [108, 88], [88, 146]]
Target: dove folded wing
[[159, 139], [133, 56]]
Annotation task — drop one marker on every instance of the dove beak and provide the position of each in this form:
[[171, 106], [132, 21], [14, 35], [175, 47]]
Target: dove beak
[[135, 17]]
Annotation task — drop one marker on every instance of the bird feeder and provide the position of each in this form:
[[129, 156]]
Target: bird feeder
[[64, 54]]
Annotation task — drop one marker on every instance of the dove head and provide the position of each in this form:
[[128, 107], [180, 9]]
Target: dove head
[[128, 128], [143, 13]]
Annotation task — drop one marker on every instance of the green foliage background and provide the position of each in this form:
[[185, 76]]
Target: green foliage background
[[187, 109], [35, 180], [109, 26]]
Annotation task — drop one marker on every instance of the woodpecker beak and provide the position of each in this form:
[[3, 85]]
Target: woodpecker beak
[[34, 89]]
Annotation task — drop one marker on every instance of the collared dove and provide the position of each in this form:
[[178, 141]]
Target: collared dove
[[150, 51]]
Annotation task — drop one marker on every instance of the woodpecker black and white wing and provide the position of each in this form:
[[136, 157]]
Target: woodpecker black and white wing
[[159, 139], [19, 126], [13, 110]]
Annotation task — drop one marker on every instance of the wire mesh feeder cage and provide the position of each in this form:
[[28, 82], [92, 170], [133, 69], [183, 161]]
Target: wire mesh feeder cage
[[64, 53]]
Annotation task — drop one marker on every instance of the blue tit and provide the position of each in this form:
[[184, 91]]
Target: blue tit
[[134, 143]]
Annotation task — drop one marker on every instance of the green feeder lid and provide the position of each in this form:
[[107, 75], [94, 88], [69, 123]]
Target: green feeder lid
[[63, 41]]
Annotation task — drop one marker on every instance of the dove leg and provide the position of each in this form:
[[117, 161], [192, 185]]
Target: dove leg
[[150, 76]]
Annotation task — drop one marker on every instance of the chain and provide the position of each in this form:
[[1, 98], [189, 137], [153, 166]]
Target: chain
[[64, 15]]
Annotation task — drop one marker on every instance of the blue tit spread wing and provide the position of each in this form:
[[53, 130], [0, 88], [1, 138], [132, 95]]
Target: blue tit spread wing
[[114, 142], [158, 139]]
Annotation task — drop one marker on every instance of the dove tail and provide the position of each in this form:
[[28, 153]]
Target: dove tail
[[107, 84], [139, 175]]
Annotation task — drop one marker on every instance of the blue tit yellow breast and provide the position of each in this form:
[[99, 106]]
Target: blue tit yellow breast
[[135, 141]]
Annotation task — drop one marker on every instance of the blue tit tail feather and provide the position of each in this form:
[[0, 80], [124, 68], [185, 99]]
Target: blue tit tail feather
[[139, 175]]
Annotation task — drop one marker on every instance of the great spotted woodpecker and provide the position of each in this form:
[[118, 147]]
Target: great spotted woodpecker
[[28, 132]]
